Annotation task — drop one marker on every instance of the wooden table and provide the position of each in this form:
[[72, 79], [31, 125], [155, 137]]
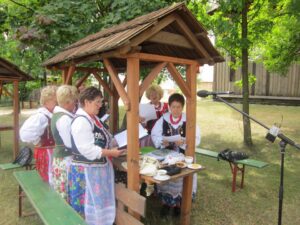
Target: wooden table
[[117, 162]]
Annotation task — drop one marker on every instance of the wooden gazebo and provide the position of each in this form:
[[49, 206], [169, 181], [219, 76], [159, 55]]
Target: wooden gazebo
[[165, 38], [10, 73]]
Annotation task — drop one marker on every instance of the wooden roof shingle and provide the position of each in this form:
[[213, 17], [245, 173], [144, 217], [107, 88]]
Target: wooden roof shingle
[[121, 35], [10, 72]]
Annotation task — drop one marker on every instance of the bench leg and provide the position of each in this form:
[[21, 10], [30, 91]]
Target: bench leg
[[20, 201], [243, 174], [234, 174]]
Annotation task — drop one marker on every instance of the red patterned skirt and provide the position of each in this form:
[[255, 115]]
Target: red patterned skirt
[[43, 162]]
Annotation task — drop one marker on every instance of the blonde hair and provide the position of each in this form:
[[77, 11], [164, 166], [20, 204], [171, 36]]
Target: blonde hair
[[154, 88], [66, 94], [48, 93]]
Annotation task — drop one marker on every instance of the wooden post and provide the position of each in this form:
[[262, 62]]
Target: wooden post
[[16, 118], [133, 70], [190, 141], [114, 109]]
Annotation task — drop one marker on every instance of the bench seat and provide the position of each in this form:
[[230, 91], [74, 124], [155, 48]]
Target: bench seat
[[52, 209], [9, 166], [234, 165]]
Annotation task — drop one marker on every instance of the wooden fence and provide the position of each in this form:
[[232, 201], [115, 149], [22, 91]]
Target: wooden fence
[[267, 84]]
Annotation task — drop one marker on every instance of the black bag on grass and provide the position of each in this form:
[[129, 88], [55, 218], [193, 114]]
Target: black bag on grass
[[232, 156], [25, 156]]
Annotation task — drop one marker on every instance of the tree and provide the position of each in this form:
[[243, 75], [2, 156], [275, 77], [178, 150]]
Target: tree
[[249, 29]]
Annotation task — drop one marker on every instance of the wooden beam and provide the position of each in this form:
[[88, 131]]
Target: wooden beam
[[4, 90], [103, 83], [133, 75], [192, 38], [81, 80], [64, 75], [79, 68], [150, 77], [124, 82], [114, 110], [115, 79], [178, 78], [191, 105], [70, 73], [161, 58], [16, 118], [169, 38], [1, 87], [148, 33]]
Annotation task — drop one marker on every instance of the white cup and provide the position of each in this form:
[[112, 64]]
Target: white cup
[[188, 159]]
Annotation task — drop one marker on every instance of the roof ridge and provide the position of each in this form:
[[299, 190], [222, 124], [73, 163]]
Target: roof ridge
[[122, 26]]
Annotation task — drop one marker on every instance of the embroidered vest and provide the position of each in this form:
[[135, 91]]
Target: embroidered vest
[[168, 130], [150, 124], [47, 138], [60, 150], [102, 139]]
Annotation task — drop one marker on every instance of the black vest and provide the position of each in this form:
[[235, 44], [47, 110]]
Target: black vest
[[102, 139], [168, 130]]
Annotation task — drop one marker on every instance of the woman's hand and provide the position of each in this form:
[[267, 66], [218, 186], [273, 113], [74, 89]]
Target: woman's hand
[[180, 142], [116, 153], [142, 119]]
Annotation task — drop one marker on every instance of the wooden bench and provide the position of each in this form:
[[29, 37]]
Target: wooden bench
[[52, 209], [9, 166], [234, 166], [129, 201]]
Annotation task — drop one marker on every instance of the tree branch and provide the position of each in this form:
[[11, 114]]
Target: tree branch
[[19, 4]]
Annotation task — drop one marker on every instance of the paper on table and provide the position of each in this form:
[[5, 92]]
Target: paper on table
[[147, 111], [172, 138], [121, 137], [105, 117]]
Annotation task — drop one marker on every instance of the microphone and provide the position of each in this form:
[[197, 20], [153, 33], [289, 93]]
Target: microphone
[[204, 93]]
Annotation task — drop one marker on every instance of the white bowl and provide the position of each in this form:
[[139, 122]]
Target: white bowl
[[161, 172], [188, 159]]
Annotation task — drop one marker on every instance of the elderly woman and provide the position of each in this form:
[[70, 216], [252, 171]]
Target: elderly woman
[[61, 129], [91, 176], [36, 130], [172, 123], [155, 93]]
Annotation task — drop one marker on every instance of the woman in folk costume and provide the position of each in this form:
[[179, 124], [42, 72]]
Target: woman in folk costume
[[36, 130], [172, 123], [155, 93], [91, 176], [63, 115]]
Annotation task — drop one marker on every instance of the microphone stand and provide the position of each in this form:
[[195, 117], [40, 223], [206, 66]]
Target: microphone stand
[[282, 144]]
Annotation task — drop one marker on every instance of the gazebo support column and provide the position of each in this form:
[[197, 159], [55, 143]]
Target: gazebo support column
[[114, 109], [133, 70], [191, 105], [16, 118]]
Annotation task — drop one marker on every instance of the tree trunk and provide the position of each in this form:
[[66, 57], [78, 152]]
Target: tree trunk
[[246, 121]]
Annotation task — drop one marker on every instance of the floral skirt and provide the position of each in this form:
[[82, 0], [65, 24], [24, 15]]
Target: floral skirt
[[92, 192], [43, 162], [60, 170]]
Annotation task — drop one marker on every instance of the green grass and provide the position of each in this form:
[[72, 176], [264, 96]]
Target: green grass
[[221, 127]]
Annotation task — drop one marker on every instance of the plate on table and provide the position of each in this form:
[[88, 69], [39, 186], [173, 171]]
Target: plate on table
[[161, 177], [181, 164], [194, 166]]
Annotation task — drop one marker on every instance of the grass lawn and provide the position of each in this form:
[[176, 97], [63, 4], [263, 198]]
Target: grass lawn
[[221, 127]]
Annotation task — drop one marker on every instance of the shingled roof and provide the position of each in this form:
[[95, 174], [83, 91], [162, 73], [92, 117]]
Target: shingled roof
[[9, 72], [178, 44]]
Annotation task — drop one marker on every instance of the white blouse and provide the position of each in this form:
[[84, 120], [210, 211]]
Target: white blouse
[[157, 130], [83, 136], [34, 127], [63, 125]]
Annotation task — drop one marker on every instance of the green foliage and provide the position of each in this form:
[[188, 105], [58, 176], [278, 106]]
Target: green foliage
[[251, 80], [273, 29]]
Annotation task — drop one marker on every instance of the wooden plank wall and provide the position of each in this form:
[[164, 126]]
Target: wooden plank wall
[[267, 84]]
